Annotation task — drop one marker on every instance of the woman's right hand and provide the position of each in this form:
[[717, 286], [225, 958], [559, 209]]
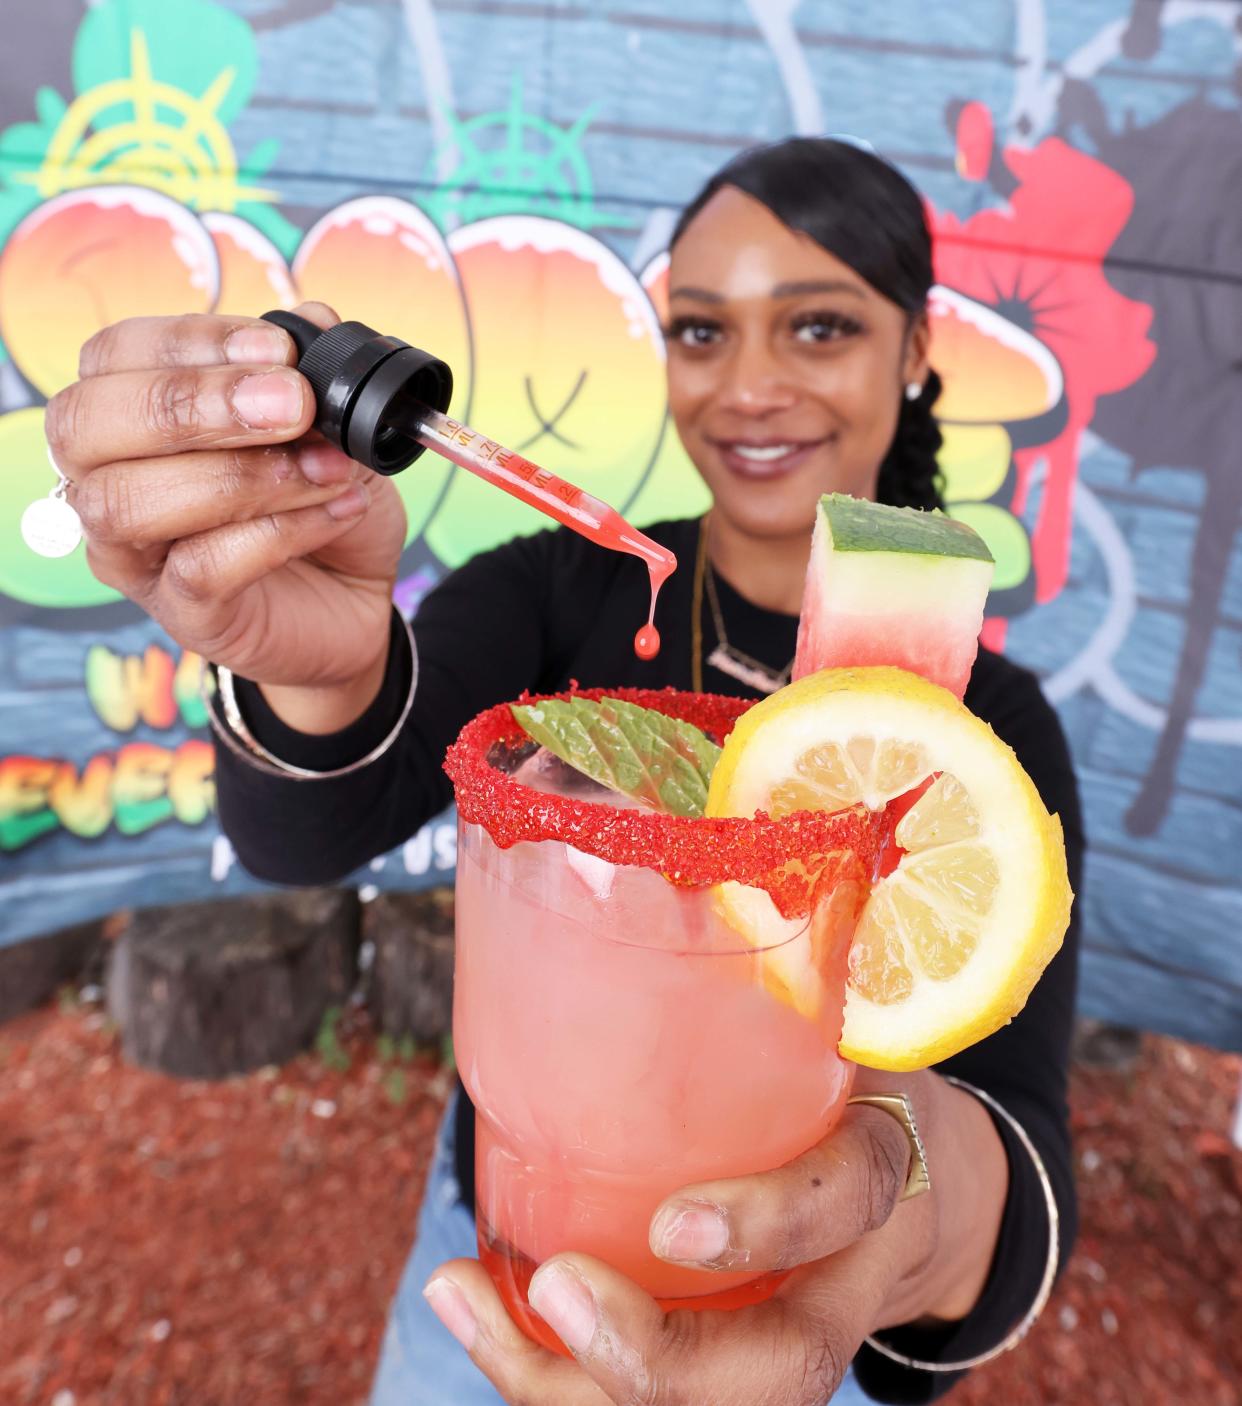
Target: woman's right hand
[[204, 499]]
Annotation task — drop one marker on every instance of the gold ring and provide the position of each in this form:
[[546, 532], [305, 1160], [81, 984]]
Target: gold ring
[[898, 1106]]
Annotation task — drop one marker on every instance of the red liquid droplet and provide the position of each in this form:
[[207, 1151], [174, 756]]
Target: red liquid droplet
[[661, 564], [647, 642]]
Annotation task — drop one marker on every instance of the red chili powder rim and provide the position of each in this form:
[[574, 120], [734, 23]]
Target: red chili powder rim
[[782, 856]]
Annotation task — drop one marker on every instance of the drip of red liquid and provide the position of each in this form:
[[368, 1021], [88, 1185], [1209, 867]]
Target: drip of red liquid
[[647, 642], [542, 489]]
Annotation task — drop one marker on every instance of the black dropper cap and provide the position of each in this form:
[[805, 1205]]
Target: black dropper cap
[[369, 389]]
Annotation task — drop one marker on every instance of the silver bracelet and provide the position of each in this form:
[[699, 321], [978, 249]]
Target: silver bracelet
[[1050, 1268], [238, 738]]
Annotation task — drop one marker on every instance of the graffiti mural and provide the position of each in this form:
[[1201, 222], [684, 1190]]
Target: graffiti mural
[[500, 184]]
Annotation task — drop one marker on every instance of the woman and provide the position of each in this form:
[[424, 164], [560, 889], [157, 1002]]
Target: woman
[[797, 364]]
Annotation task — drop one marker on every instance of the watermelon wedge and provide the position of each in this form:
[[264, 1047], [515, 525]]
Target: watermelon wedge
[[893, 586]]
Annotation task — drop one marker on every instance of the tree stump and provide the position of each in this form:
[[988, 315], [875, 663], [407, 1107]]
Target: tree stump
[[205, 990], [410, 986], [31, 971]]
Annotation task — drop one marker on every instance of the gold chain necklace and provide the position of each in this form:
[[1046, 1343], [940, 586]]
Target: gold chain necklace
[[724, 657]]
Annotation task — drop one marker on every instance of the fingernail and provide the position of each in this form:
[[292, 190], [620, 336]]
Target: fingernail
[[269, 401], [691, 1232], [565, 1304], [322, 464], [351, 503], [257, 346], [449, 1305]]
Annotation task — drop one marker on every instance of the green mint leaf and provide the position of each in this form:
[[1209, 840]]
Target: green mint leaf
[[638, 751]]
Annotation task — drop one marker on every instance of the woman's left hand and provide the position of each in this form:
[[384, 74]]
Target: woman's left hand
[[863, 1259]]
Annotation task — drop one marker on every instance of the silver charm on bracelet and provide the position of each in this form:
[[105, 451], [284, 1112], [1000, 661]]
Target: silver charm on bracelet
[[49, 525]]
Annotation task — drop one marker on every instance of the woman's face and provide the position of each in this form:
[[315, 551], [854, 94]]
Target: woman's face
[[785, 369]]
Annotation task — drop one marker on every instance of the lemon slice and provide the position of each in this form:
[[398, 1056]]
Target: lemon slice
[[949, 945]]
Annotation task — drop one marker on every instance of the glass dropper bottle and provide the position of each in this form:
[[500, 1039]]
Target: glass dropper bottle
[[383, 402]]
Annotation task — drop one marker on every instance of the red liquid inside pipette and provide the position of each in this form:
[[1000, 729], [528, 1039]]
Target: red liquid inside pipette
[[559, 499]]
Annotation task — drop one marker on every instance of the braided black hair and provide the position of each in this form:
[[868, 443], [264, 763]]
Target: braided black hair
[[910, 474], [863, 211]]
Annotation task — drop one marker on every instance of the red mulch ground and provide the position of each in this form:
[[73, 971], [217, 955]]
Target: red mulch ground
[[166, 1243]]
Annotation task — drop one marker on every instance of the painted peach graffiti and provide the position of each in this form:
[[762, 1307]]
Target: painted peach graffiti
[[554, 344], [569, 370], [381, 261], [253, 272], [91, 257]]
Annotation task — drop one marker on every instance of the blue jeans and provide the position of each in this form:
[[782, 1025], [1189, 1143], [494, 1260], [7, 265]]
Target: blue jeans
[[421, 1363]]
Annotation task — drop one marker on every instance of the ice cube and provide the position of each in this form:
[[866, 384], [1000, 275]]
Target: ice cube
[[544, 771]]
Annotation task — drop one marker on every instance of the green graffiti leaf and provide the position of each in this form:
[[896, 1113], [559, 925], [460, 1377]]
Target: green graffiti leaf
[[51, 107], [580, 391], [268, 220], [23, 147], [191, 43], [262, 154]]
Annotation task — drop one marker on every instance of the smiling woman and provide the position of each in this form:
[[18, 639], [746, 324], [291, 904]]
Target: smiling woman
[[797, 364], [797, 349]]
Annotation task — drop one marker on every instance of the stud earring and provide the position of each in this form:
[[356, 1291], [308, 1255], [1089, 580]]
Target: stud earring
[[914, 389]]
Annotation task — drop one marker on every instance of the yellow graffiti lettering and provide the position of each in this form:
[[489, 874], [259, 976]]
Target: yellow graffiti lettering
[[24, 813], [127, 689], [138, 787], [190, 786], [83, 804]]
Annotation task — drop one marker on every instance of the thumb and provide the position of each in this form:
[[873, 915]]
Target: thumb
[[319, 313]]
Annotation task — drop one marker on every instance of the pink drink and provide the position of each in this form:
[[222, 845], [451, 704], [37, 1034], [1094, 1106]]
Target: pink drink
[[618, 1042]]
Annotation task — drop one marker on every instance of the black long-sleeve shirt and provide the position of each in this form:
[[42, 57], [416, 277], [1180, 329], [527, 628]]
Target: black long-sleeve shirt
[[547, 610]]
